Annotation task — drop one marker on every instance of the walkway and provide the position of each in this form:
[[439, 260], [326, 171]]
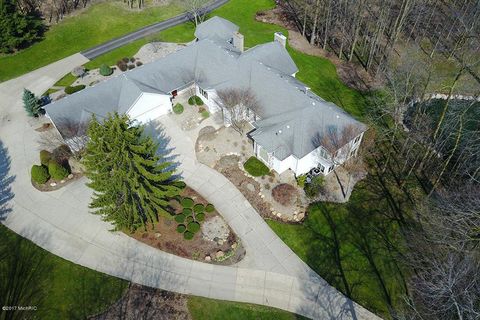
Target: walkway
[[145, 31], [60, 222]]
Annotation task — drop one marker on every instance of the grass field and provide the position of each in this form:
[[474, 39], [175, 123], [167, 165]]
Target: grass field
[[58, 288], [97, 24], [208, 309]]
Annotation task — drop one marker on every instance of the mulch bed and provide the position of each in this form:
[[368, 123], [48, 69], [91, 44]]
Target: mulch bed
[[164, 236], [141, 302]]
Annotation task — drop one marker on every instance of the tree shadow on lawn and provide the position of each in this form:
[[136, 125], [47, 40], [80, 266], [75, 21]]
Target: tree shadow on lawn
[[6, 194], [356, 248]]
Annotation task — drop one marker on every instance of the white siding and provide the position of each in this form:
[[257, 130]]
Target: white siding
[[149, 107]]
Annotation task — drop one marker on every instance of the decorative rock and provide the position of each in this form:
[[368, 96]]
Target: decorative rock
[[157, 234], [301, 215], [53, 184], [208, 258], [62, 181], [219, 254], [234, 245], [70, 176], [220, 242]]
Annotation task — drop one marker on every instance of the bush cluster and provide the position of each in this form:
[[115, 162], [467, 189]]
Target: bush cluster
[[315, 186], [191, 216], [50, 167], [45, 157], [73, 89]]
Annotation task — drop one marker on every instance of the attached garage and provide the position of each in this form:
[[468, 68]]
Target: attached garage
[[150, 106]]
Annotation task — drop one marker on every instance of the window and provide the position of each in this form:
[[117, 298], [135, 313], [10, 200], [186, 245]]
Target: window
[[203, 93], [322, 168], [330, 169]]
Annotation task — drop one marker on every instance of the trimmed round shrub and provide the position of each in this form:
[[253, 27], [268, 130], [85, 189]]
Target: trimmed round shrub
[[205, 114], [187, 202], [45, 157], [139, 63], [39, 174], [122, 65], [57, 171], [181, 228], [130, 66], [73, 89], [284, 193], [132, 59], [198, 208], [126, 59], [180, 218], [209, 208], [195, 100], [188, 219], [193, 227], [187, 212], [188, 235], [105, 70], [178, 108], [256, 167], [200, 217]]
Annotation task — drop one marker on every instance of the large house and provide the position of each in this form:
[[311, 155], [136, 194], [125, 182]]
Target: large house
[[289, 127]]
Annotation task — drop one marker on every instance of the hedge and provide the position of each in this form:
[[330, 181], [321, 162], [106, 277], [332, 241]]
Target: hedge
[[105, 70], [187, 202], [45, 157], [195, 100], [256, 167], [73, 89], [57, 171], [178, 108], [209, 207], [198, 208], [39, 174]]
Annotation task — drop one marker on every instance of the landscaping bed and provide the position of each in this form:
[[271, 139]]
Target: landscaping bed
[[213, 241]]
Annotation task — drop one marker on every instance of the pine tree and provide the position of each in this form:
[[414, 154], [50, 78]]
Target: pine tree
[[30, 103], [131, 183], [18, 29]]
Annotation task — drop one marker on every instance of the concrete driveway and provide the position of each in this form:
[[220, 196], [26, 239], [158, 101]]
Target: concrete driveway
[[60, 222]]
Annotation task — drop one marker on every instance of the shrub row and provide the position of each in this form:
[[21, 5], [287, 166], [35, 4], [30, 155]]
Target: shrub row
[[73, 89]]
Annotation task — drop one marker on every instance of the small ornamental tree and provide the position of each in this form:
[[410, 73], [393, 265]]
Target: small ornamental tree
[[131, 183], [105, 70], [30, 103]]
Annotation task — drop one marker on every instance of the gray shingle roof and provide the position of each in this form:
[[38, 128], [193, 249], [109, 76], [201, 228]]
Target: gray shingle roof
[[216, 28], [285, 103]]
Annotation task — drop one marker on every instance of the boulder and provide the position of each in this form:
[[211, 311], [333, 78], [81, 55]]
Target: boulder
[[219, 254], [208, 258]]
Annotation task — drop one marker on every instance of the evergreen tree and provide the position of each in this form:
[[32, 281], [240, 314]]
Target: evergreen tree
[[17, 29], [131, 182], [30, 103]]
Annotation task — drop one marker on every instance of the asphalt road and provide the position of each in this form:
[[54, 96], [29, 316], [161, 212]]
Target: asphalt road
[[145, 31]]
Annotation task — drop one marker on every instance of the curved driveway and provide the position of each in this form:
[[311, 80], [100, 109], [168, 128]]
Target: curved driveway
[[60, 222]]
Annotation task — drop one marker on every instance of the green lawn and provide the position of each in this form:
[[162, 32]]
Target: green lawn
[[208, 309], [97, 24], [256, 167], [59, 288]]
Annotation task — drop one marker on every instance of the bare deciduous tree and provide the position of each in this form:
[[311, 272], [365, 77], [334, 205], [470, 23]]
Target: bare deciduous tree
[[196, 9], [238, 106], [69, 132]]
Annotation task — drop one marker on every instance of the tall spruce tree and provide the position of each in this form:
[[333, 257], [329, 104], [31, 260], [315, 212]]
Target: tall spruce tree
[[30, 103], [131, 182]]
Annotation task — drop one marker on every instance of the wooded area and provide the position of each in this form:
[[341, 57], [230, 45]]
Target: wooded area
[[426, 151]]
